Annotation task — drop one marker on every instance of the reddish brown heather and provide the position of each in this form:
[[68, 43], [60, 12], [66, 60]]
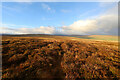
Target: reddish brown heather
[[28, 58]]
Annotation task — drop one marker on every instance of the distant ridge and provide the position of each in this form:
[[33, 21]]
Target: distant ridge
[[39, 35]]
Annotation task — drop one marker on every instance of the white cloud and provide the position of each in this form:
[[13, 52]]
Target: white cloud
[[45, 6], [39, 30], [106, 24]]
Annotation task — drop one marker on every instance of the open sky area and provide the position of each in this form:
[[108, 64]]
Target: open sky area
[[67, 18]]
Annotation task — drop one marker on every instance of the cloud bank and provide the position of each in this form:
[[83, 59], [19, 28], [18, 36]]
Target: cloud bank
[[39, 30], [105, 24]]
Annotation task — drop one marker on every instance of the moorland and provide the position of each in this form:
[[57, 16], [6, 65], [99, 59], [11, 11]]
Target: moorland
[[63, 57]]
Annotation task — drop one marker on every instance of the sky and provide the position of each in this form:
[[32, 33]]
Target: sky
[[67, 18]]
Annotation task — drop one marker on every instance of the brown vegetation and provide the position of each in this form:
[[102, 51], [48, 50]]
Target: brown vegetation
[[43, 58]]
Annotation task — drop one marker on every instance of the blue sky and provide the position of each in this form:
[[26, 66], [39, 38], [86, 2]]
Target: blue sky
[[56, 15]]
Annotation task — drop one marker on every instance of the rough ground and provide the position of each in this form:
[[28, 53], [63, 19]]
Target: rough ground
[[34, 57]]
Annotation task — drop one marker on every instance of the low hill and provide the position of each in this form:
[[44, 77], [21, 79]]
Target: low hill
[[98, 37]]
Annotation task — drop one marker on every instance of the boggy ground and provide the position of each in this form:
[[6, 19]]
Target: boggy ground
[[31, 57]]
